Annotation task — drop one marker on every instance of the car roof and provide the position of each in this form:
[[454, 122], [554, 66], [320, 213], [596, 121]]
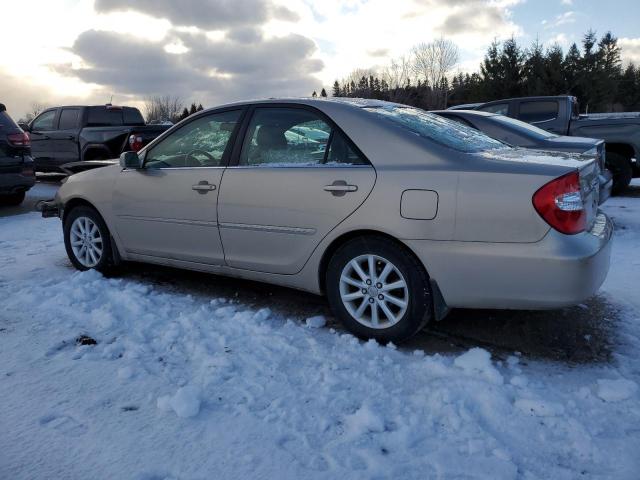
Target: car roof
[[314, 102], [477, 113]]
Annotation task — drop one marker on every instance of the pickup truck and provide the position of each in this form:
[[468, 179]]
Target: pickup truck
[[68, 134], [560, 115]]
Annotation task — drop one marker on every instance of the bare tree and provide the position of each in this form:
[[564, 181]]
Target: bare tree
[[397, 72], [163, 107], [432, 62], [34, 110]]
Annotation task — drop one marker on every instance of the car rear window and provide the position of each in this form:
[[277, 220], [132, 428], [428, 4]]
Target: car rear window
[[523, 127], [441, 130], [115, 116], [132, 116], [6, 122]]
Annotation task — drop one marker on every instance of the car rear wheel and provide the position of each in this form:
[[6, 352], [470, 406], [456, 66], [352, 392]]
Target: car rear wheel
[[12, 199], [87, 240], [378, 289], [621, 171]]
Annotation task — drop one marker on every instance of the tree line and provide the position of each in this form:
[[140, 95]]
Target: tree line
[[592, 72], [170, 108]]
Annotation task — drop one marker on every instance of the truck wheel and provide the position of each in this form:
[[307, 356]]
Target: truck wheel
[[13, 199], [87, 240], [378, 289], [621, 170]]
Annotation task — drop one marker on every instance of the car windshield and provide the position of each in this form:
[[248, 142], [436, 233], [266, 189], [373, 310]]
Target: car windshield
[[441, 130], [523, 127]]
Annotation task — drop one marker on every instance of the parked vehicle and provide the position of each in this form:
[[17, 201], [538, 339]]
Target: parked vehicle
[[69, 134], [395, 214], [521, 134], [560, 115], [16, 164]]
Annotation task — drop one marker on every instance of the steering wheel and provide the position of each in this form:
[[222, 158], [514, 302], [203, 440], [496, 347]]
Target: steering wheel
[[191, 161]]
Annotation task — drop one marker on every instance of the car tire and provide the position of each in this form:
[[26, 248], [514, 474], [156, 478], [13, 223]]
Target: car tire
[[621, 170], [12, 199], [84, 227], [353, 294]]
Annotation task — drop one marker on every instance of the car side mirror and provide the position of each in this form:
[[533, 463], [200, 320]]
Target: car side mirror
[[24, 126], [130, 160]]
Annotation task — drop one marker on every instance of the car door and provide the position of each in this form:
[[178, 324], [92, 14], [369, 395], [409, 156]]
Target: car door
[[64, 139], [41, 144], [297, 176], [167, 208]]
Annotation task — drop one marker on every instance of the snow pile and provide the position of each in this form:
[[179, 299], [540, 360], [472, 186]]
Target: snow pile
[[188, 387], [616, 390], [185, 403], [478, 362], [316, 322]]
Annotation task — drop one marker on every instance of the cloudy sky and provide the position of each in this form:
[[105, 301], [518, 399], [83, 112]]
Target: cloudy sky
[[214, 51]]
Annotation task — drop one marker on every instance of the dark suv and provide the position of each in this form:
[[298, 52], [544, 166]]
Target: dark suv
[[16, 164]]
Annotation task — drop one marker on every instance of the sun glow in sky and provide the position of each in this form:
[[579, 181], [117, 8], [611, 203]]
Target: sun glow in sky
[[213, 51]]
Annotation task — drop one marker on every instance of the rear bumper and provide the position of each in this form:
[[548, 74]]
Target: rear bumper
[[15, 183], [49, 209], [557, 271]]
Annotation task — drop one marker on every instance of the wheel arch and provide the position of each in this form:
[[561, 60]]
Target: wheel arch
[[83, 202], [440, 307], [621, 149], [337, 242]]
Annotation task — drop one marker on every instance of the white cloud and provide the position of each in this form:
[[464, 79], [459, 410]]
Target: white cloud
[[561, 19], [630, 49], [347, 34]]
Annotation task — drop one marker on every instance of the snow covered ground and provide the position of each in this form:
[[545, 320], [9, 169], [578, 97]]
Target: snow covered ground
[[189, 387]]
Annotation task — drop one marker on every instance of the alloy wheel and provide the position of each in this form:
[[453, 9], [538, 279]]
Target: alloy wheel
[[86, 241], [374, 291]]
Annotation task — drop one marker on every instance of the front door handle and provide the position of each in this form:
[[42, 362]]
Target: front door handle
[[203, 187], [340, 188]]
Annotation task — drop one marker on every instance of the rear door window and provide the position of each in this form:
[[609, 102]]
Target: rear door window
[[68, 119], [533, 112]]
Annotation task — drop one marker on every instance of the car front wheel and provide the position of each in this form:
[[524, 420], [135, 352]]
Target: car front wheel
[[86, 239], [378, 289]]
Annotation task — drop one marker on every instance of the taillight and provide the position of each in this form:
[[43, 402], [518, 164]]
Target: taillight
[[135, 142], [19, 139], [560, 204]]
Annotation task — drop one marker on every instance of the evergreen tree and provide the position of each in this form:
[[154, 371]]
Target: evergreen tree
[[193, 109], [535, 73], [336, 89], [609, 72], [573, 71], [323, 93], [554, 71], [512, 65], [184, 114], [314, 94], [200, 107]]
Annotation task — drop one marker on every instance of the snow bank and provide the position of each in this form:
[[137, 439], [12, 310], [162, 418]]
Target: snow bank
[[186, 386]]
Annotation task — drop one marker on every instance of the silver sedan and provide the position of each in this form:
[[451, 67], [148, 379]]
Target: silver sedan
[[395, 214]]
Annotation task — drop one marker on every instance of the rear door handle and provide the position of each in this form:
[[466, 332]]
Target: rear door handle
[[203, 187], [339, 188]]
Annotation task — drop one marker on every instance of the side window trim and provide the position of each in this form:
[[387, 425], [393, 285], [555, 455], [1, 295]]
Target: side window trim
[[226, 156], [234, 160]]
